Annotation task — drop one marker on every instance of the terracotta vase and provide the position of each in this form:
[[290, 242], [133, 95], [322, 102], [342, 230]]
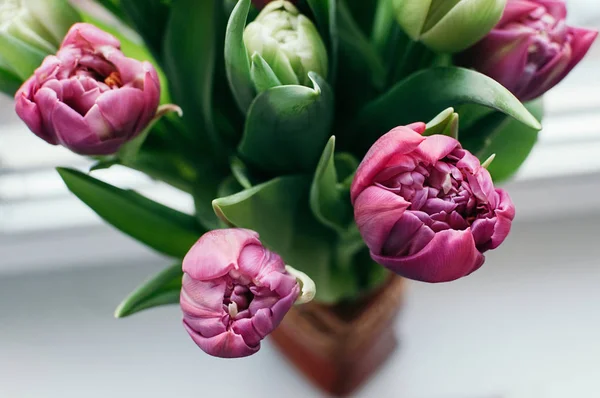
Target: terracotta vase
[[339, 347]]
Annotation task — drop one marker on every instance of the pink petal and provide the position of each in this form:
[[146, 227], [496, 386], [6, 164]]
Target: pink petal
[[285, 303], [376, 211], [225, 345], [508, 53], [217, 252], [556, 8], [245, 328], [47, 101], [256, 261], [449, 256], [122, 109], [436, 147], [483, 230], [202, 299], [84, 34], [29, 112], [505, 213], [402, 236], [398, 141], [516, 10], [151, 97]]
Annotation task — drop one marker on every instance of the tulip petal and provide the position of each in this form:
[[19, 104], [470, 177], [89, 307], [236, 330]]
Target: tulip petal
[[85, 34], [400, 140], [122, 108], [245, 328], [376, 211], [151, 91], [224, 345], [217, 252], [505, 213], [29, 112], [400, 241], [281, 307], [256, 262], [483, 230], [516, 10], [436, 147], [449, 256]]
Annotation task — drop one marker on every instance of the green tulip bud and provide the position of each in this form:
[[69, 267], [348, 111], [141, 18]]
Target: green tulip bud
[[30, 30], [288, 42], [448, 26]]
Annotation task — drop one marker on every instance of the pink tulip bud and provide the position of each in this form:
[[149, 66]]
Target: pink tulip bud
[[89, 97], [426, 208], [235, 292], [531, 49]]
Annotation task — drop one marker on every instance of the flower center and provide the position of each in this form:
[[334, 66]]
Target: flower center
[[237, 298], [440, 194], [114, 80], [551, 35]]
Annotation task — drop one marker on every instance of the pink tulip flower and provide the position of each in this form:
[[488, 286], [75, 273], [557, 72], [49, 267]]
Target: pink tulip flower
[[531, 49], [235, 292], [89, 97], [426, 208]]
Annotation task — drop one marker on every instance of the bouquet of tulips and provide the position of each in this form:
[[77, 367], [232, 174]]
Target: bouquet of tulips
[[326, 143]]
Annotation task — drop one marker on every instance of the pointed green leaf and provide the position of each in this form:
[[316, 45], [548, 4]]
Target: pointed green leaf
[[237, 63], [262, 75], [446, 123], [287, 127], [278, 210], [512, 144], [161, 289], [189, 55], [241, 173], [162, 228], [438, 88], [327, 200]]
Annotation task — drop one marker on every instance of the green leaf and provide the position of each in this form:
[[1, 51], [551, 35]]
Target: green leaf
[[325, 12], [512, 144], [150, 18], [278, 210], [288, 126], [358, 52], [241, 173], [204, 192], [363, 13], [161, 289], [9, 82], [327, 200], [113, 6], [424, 94], [23, 58], [162, 228], [237, 63], [446, 123], [189, 57], [262, 75]]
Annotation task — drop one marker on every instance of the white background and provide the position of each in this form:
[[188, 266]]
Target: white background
[[526, 325]]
